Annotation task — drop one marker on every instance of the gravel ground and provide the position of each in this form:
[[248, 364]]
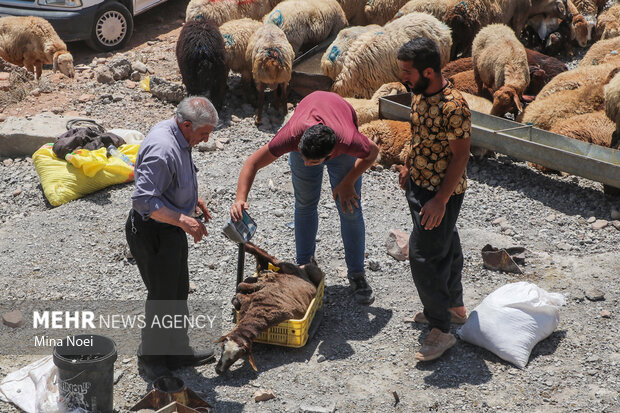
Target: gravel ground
[[360, 355]]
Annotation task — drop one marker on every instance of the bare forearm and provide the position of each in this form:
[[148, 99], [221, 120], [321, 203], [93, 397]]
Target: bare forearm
[[361, 165], [168, 216]]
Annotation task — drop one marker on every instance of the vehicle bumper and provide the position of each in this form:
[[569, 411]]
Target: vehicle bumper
[[71, 25]]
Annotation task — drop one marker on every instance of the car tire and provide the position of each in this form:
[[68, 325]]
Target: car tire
[[112, 27]]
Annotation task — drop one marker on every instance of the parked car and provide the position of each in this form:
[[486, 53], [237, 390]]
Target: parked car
[[104, 24]]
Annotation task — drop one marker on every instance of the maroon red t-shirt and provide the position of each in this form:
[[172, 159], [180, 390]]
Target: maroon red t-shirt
[[328, 109]]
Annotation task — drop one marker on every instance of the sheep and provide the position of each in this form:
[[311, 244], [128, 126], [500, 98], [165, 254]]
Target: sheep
[[391, 136], [477, 103], [580, 29], [221, 11], [612, 104], [265, 301], [201, 57], [381, 11], [272, 64], [372, 59], [466, 82], [31, 42], [437, 8], [578, 77], [589, 9], [307, 22], [500, 62], [608, 23], [354, 11], [367, 110], [603, 51], [594, 127], [236, 34], [331, 62]]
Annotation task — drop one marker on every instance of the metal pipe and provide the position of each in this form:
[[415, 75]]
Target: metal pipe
[[240, 263]]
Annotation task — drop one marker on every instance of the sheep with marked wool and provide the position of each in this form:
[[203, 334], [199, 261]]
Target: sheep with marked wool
[[201, 57], [32, 42], [307, 23], [603, 51], [372, 59], [367, 110], [272, 64], [331, 62], [221, 11], [500, 63], [237, 34]]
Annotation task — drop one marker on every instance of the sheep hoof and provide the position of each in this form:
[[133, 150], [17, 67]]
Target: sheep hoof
[[257, 121]]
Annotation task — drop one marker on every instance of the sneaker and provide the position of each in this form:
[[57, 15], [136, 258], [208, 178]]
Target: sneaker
[[153, 367], [419, 317], [435, 344], [361, 289], [196, 358]]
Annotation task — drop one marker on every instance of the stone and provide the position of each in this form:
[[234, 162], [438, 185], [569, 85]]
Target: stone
[[17, 192], [591, 220], [605, 314], [219, 145], [595, 295], [550, 218], [499, 221], [85, 98], [5, 76], [3, 117], [139, 67], [135, 76], [342, 272], [117, 98], [616, 224], [13, 319], [208, 146], [129, 84], [278, 213], [397, 244], [192, 287], [166, 90], [22, 137], [235, 119], [121, 69], [117, 375], [262, 395], [321, 358], [104, 75], [126, 361], [35, 92], [307, 408], [599, 224], [374, 265]]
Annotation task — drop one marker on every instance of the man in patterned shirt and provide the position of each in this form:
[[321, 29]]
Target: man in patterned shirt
[[434, 178]]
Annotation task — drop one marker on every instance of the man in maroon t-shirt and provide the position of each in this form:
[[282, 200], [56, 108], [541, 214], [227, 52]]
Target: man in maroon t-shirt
[[322, 131]]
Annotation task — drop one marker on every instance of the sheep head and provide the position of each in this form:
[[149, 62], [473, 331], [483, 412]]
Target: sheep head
[[579, 30], [612, 29], [63, 62], [233, 351], [506, 99], [538, 79]]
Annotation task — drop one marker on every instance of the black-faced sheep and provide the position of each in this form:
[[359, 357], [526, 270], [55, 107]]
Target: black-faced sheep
[[221, 11], [201, 58], [382, 11], [332, 60], [265, 301], [372, 59], [500, 62], [272, 64], [32, 42], [608, 23], [603, 51], [367, 110], [307, 23], [237, 34]]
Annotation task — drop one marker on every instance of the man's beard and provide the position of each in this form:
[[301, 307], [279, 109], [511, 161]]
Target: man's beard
[[421, 85]]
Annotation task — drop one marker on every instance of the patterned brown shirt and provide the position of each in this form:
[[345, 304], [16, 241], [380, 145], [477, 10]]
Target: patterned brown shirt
[[435, 120]]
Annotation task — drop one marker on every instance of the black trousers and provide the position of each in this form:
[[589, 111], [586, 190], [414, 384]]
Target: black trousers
[[160, 251], [436, 258]]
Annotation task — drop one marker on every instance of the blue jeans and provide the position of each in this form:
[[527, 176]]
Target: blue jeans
[[307, 185]]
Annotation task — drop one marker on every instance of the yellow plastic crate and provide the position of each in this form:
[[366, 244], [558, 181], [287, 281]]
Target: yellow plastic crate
[[292, 333]]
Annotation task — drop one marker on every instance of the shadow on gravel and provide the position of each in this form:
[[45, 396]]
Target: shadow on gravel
[[549, 345], [503, 173]]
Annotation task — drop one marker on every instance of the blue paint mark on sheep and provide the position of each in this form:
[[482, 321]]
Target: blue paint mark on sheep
[[333, 54], [228, 40], [276, 18], [461, 8], [199, 17], [274, 53]]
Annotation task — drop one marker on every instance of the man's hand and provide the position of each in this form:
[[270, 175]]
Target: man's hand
[[202, 207], [348, 197], [403, 176], [432, 213], [236, 210], [193, 227]]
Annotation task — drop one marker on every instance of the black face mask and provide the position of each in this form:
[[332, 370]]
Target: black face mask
[[421, 85]]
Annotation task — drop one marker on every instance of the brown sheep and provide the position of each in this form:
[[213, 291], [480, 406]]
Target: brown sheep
[[602, 51], [32, 42], [266, 301], [367, 110], [466, 18], [580, 28], [466, 82], [576, 78], [391, 136], [500, 63], [592, 127], [608, 23]]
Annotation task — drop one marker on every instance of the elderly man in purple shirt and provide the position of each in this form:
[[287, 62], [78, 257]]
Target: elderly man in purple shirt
[[165, 201]]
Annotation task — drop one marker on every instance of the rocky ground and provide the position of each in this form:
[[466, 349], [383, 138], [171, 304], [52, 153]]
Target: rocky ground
[[360, 356]]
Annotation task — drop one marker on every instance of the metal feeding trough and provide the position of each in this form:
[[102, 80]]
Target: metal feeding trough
[[307, 74], [171, 395], [527, 143]]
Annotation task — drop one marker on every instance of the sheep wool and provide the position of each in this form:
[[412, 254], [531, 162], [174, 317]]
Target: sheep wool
[[382, 11], [603, 51], [307, 23], [612, 101], [354, 11], [372, 59], [592, 127], [578, 77], [236, 34], [331, 62], [219, 11], [437, 8], [391, 137], [608, 23], [367, 110]]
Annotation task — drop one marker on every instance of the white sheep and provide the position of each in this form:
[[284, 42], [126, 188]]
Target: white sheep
[[31, 42], [372, 59], [500, 63], [382, 11], [272, 64], [437, 8], [236, 34], [612, 104], [603, 51], [367, 110], [307, 23], [221, 11], [576, 78], [331, 62]]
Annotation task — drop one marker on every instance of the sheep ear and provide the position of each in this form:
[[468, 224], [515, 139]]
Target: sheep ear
[[220, 340], [251, 360], [518, 103]]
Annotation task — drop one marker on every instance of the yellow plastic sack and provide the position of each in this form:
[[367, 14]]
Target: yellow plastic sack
[[82, 173]]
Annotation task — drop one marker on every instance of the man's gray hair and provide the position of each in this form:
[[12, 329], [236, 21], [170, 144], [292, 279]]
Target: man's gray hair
[[198, 110]]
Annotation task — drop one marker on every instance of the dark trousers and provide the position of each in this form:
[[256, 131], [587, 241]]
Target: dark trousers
[[160, 251], [436, 258]]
